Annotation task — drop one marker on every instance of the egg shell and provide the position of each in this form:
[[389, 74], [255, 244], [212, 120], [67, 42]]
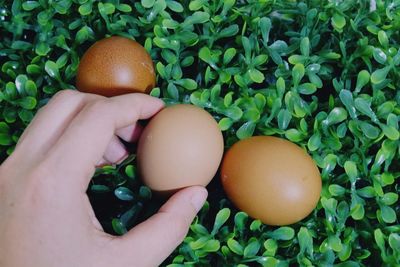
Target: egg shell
[[115, 66], [181, 146], [271, 179]]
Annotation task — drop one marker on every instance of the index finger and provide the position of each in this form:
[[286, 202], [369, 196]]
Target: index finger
[[85, 140]]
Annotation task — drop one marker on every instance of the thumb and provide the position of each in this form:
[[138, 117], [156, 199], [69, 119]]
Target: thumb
[[152, 241]]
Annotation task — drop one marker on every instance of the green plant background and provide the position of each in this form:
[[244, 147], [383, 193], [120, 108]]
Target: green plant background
[[322, 74]]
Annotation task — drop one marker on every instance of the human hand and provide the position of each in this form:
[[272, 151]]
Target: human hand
[[45, 215]]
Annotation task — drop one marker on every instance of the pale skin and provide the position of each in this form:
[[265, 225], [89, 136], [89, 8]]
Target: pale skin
[[45, 216]]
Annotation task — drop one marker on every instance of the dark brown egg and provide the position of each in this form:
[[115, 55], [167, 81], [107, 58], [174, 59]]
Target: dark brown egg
[[181, 146], [271, 179], [115, 66]]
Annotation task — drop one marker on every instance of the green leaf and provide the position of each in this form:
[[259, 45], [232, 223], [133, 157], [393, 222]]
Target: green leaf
[[118, 227], [369, 130], [252, 249], [297, 59], [33, 69], [85, 9], [225, 123], [338, 22], [99, 188], [294, 135], [305, 46], [85, 33], [256, 75], [337, 115], [173, 91], [388, 214], [271, 247], [379, 75], [364, 107], [189, 84], [379, 56], [379, 239], [124, 8], [305, 240], [280, 86], [383, 39], [199, 243], [394, 242], [198, 17], [221, 217], [30, 88], [211, 246], [389, 198], [307, 88], [196, 4], [145, 192], [314, 142], [235, 113], [336, 190], [20, 83], [235, 246], [229, 55], [240, 220], [42, 49], [284, 118], [335, 243], [297, 74], [367, 192], [391, 132], [357, 212], [30, 5], [175, 6], [351, 170], [124, 193], [5, 139], [283, 233], [255, 225], [362, 79], [27, 102], [106, 8], [229, 31], [21, 45], [155, 92], [130, 171], [246, 130], [147, 3], [52, 69]]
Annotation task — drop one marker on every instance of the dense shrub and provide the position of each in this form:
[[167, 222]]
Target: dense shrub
[[323, 74]]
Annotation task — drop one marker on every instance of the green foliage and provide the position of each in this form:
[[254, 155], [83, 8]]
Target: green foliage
[[323, 74]]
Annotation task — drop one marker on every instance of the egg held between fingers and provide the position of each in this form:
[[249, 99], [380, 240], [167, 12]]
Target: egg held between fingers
[[271, 179], [181, 146]]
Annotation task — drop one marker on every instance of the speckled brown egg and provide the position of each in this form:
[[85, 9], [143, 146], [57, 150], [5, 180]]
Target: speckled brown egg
[[271, 179], [115, 66], [181, 146]]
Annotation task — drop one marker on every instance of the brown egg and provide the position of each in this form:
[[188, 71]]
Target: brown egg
[[271, 179], [115, 66], [181, 146]]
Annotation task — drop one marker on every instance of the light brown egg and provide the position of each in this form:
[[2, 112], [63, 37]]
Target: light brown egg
[[271, 179], [181, 146], [115, 66]]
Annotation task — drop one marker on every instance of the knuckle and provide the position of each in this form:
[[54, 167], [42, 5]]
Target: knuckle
[[65, 94], [59, 97], [97, 106], [97, 109]]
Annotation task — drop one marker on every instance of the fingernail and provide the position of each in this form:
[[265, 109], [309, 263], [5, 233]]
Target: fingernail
[[102, 163], [124, 157], [199, 198]]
